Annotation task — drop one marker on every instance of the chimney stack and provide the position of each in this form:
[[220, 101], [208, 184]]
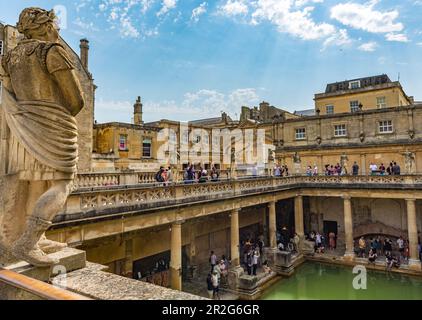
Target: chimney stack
[[137, 112], [84, 52]]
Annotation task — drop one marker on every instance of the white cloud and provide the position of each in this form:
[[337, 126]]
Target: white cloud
[[127, 30], [198, 11], [234, 8], [398, 37], [365, 17], [87, 26], [419, 44], [296, 22], [340, 38], [382, 60], [166, 6], [368, 46], [301, 3]]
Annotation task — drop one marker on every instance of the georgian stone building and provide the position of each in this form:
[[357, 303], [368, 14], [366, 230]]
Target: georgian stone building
[[371, 136], [377, 92]]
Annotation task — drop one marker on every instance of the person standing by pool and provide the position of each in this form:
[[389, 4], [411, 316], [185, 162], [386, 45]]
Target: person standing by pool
[[213, 260], [400, 243], [332, 241], [255, 261], [388, 248], [215, 285], [362, 247], [210, 287]]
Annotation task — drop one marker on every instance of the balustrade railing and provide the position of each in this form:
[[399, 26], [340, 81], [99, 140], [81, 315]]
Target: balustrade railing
[[100, 198]]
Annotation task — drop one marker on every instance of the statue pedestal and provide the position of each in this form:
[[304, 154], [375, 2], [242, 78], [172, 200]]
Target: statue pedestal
[[297, 168], [249, 287], [70, 260], [279, 261]]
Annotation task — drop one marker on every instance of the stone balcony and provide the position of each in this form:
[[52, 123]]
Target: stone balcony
[[100, 201]]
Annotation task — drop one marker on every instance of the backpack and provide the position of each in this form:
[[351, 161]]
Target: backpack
[[158, 176]]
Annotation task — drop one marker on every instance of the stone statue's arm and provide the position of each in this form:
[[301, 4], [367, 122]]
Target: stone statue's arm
[[5, 78], [71, 90], [7, 84], [61, 68]]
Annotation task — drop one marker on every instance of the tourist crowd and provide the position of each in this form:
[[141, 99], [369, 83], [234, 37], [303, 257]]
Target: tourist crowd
[[322, 242], [250, 253]]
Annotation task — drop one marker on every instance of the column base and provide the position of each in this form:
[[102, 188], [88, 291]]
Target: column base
[[349, 256], [234, 275], [175, 279], [415, 265], [279, 261]]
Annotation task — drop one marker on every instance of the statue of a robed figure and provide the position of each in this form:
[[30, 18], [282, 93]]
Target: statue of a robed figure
[[39, 150]]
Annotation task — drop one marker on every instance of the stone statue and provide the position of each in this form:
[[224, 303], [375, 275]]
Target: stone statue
[[297, 163], [409, 161], [39, 153], [296, 158], [343, 163]]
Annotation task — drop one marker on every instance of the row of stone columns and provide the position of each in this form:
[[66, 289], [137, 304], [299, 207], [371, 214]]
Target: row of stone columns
[[411, 226], [176, 235]]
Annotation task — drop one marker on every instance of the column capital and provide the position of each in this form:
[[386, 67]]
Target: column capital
[[235, 211], [271, 203], [347, 197], [178, 222], [410, 200]]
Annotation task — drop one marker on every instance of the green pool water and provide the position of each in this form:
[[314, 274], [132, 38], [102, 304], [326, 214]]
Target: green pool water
[[315, 281]]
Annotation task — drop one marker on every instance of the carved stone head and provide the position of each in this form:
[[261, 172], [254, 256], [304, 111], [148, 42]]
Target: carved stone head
[[38, 24]]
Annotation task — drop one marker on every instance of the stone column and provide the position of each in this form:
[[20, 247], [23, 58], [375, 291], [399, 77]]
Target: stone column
[[299, 216], [264, 225], [128, 266], [176, 256], [414, 262], [272, 225], [363, 169], [234, 238], [348, 228]]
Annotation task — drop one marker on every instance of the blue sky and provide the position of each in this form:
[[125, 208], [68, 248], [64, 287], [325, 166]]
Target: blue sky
[[192, 59]]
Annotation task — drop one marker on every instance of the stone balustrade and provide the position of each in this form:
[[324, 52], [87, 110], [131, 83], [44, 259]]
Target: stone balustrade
[[100, 193], [92, 180]]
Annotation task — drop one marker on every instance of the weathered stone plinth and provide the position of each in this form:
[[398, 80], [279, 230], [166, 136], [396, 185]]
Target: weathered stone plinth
[[307, 248], [415, 265], [97, 284], [70, 260], [248, 287], [279, 261], [234, 276]]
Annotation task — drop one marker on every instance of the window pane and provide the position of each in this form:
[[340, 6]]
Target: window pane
[[354, 106], [386, 126], [381, 102], [340, 130], [300, 134], [123, 143], [146, 148], [330, 109]]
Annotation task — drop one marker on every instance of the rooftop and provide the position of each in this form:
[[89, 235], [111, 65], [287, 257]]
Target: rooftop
[[360, 82]]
